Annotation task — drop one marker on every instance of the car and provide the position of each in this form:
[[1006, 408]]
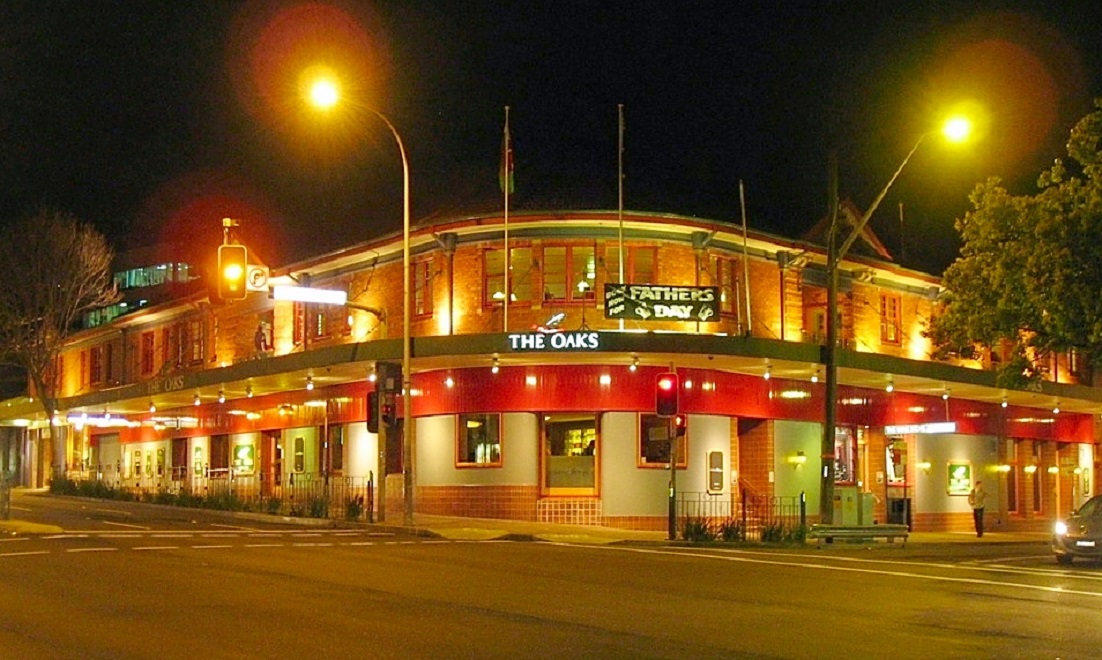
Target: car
[[1081, 534]]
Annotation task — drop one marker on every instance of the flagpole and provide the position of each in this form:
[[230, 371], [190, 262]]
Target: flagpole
[[745, 256], [620, 182], [506, 166]]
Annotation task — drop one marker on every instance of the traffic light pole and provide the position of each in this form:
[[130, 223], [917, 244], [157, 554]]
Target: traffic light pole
[[671, 433]]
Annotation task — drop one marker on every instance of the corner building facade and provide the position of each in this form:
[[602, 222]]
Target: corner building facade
[[544, 409]]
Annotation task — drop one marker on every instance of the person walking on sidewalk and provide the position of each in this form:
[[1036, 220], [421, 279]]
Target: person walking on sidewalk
[[976, 499]]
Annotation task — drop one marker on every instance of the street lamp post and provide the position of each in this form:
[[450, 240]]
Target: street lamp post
[[955, 129], [407, 380], [324, 93]]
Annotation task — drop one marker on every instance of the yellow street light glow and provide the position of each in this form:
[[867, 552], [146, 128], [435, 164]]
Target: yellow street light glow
[[324, 94], [957, 128]]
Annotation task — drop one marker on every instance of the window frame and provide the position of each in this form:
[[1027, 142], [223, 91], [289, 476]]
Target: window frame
[[422, 298], [494, 282], [460, 445], [572, 274], [147, 353], [891, 318]]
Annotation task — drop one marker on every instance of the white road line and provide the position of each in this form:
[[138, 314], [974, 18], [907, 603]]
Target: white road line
[[380, 533], [64, 536], [108, 535], [852, 569], [359, 543], [24, 554], [108, 522], [115, 511], [209, 547], [302, 535], [220, 535], [18, 539], [20, 508], [91, 549], [346, 534], [165, 535], [312, 545], [156, 547], [264, 545], [238, 527]]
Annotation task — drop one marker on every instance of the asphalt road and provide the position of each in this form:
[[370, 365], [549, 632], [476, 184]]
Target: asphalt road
[[187, 589]]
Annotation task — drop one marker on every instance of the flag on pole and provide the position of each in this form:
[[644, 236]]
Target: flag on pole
[[505, 171]]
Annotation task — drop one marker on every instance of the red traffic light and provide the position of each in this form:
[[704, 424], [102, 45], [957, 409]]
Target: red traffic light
[[665, 394]]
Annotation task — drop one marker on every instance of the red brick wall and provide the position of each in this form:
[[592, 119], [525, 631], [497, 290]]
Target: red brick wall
[[756, 454]]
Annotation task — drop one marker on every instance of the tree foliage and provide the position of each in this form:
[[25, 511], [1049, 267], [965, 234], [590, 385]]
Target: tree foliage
[[1029, 274], [56, 268]]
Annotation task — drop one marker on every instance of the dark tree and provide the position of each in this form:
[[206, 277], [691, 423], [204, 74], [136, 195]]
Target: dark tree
[[1029, 275], [56, 269]]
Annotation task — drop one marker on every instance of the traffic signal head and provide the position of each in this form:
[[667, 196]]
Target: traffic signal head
[[233, 263], [679, 425], [665, 394], [373, 412], [388, 411]]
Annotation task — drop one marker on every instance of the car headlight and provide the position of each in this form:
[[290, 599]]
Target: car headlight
[[1061, 528]]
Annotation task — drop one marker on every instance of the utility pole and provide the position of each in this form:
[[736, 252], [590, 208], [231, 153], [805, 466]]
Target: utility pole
[[830, 353]]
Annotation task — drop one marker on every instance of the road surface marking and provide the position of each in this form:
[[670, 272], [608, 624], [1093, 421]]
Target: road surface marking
[[116, 512], [24, 539], [264, 545], [108, 522], [238, 527], [156, 547], [172, 535], [853, 569], [312, 545], [20, 508], [220, 535], [91, 549], [23, 554], [210, 547], [359, 543]]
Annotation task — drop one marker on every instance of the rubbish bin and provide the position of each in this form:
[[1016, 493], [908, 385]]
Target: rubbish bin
[[899, 511]]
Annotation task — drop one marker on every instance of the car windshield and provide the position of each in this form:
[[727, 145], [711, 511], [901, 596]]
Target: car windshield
[[1092, 507]]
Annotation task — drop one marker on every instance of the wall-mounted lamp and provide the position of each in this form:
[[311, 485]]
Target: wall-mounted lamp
[[768, 372], [152, 407], [197, 400], [890, 387], [797, 459], [815, 376], [1029, 469], [945, 395], [1002, 468], [372, 376], [1056, 408], [925, 466], [1053, 470], [249, 391], [449, 382], [605, 379], [221, 396], [495, 366], [634, 364], [309, 382]]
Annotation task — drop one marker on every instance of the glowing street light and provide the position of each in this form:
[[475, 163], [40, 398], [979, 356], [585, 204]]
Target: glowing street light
[[955, 129], [324, 93]]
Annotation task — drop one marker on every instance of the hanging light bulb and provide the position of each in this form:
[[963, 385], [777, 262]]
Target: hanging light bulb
[[309, 382], [372, 377], [890, 387], [495, 367], [815, 376], [152, 407], [197, 400], [221, 396], [945, 395], [768, 372], [634, 364], [1004, 404], [249, 391]]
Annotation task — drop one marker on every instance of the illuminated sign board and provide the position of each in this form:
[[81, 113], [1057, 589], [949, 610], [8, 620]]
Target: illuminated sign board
[[959, 478], [932, 427], [659, 302], [244, 459], [309, 295], [555, 341]]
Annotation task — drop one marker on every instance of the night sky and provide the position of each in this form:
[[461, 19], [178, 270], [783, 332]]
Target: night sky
[[156, 119]]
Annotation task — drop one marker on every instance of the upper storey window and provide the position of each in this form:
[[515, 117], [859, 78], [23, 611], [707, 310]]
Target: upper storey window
[[640, 264], [569, 272], [890, 322], [520, 275]]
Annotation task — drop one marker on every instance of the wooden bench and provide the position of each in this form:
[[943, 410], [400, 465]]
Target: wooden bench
[[859, 532]]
